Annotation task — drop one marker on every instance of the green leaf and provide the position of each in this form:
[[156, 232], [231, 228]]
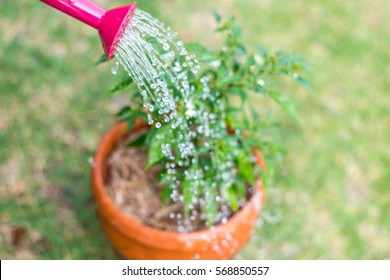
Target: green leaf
[[161, 136], [122, 84], [166, 194], [123, 110], [204, 55], [241, 50], [130, 121], [138, 141], [255, 115], [231, 117], [304, 83], [149, 136], [101, 60], [262, 51], [222, 73], [217, 16], [142, 116], [241, 187], [236, 31], [232, 198], [230, 79], [260, 89], [203, 150], [285, 103], [239, 92], [245, 167], [127, 114], [152, 40]]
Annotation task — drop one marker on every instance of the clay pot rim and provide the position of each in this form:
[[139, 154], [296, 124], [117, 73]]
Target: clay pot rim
[[105, 147]]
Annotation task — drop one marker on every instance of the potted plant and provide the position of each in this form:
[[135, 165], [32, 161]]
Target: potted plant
[[153, 205]]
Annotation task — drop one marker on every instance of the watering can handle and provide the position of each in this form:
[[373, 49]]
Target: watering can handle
[[83, 10]]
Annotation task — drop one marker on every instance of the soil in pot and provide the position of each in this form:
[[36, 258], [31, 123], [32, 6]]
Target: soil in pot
[[137, 193]]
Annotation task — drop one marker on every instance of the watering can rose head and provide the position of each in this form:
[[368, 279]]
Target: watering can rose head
[[110, 24]]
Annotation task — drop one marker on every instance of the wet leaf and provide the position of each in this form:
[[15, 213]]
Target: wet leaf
[[166, 194], [160, 137], [152, 40]]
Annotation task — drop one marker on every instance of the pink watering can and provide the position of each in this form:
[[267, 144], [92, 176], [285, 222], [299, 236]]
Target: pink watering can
[[111, 24]]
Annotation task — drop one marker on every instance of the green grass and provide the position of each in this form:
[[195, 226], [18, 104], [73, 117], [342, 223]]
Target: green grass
[[331, 198]]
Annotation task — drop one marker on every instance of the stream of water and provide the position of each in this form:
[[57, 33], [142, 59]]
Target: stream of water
[[157, 74]]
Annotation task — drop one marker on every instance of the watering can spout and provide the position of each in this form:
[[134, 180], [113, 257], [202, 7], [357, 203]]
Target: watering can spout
[[110, 24]]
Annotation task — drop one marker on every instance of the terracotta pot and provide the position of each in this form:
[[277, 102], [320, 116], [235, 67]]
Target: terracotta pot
[[138, 241]]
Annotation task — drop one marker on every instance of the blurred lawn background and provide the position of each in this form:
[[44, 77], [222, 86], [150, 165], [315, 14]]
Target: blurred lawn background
[[331, 199]]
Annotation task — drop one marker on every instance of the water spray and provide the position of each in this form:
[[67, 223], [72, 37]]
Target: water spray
[[110, 24]]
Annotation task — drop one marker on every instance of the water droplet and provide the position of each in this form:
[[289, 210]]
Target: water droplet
[[191, 113], [115, 68], [166, 46], [260, 82]]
